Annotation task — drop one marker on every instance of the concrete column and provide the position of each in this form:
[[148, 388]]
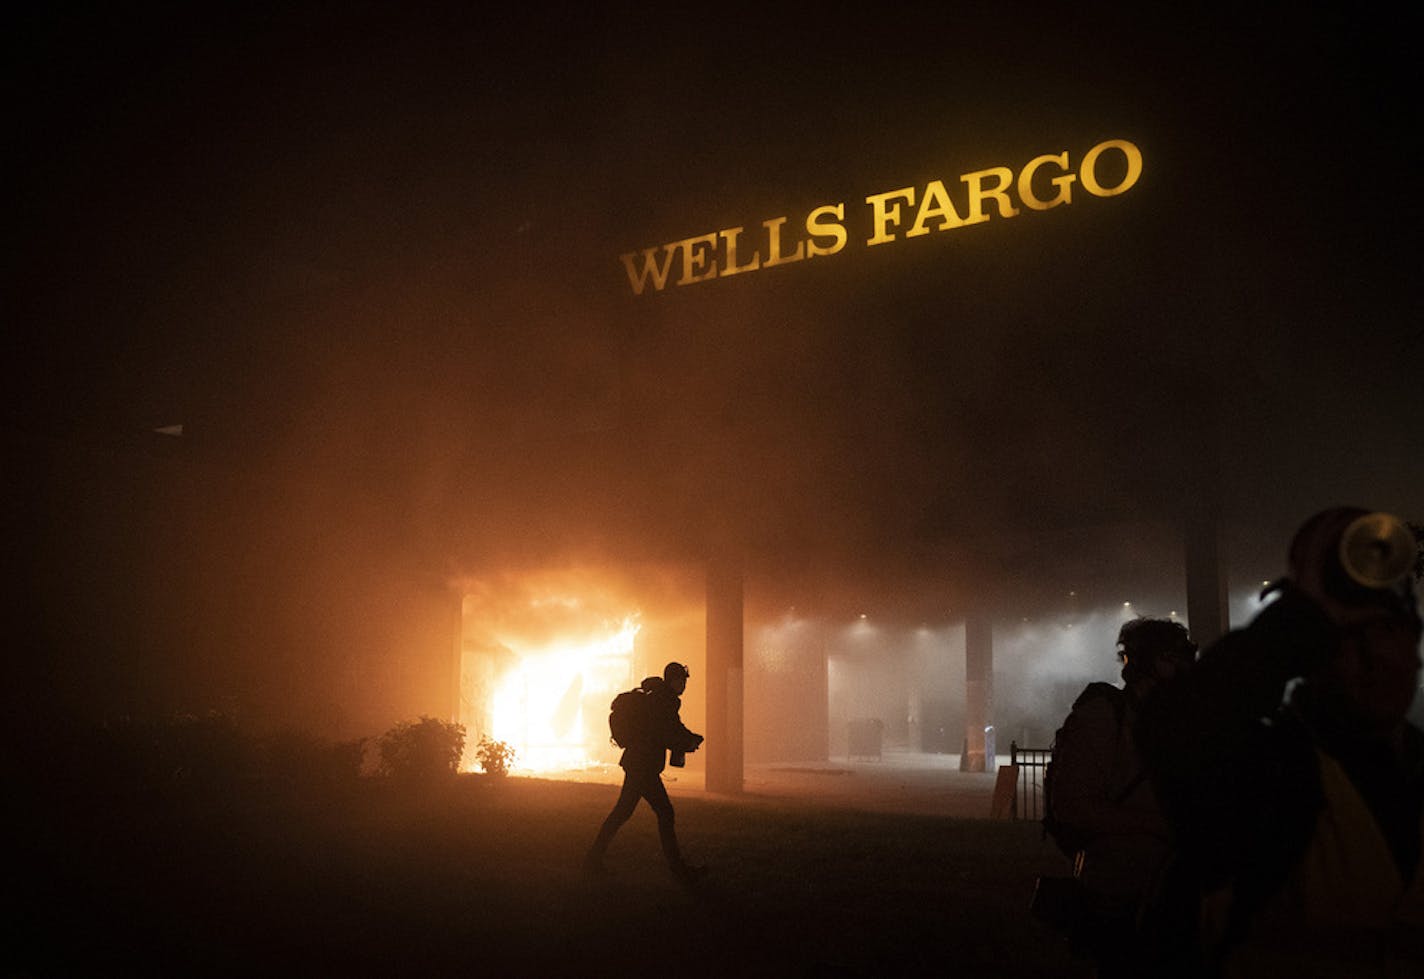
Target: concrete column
[[1208, 614], [724, 676], [1207, 611], [978, 690], [821, 704], [458, 657], [914, 713]]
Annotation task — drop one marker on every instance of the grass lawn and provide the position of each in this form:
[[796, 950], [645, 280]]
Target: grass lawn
[[482, 877]]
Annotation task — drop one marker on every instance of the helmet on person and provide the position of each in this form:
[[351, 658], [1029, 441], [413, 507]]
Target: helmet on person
[[1143, 643], [1150, 638], [676, 671], [1354, 563]]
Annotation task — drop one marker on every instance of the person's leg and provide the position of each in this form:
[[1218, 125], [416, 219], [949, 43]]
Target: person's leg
[[622, 810], [656, 794]]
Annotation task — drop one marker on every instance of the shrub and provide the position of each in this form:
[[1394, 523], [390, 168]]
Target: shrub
[[494, 757], [300, 757], [347, 759], [423, 749]]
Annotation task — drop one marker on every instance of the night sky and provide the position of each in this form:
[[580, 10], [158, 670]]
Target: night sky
[[370, 262]]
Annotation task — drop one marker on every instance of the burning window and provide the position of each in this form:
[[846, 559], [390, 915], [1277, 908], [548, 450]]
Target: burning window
[[542, 656]]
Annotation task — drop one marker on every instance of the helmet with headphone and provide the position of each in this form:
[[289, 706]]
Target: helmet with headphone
[[1355, 564]]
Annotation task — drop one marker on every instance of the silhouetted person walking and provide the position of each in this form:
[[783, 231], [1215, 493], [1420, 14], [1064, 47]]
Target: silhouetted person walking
[[658, 730], [1289, 773]]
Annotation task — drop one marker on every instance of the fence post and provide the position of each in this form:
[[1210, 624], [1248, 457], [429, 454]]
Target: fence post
[[1030, 765]]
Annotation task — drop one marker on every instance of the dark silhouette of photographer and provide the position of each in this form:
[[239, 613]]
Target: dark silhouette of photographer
[[1292, 781]]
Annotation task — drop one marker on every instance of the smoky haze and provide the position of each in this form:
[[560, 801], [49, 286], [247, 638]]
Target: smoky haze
[[370, 262]]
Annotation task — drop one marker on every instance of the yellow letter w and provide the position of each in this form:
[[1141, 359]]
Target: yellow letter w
[[638, 280]]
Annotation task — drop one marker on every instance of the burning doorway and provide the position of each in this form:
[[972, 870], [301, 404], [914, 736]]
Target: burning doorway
[[543, 653]]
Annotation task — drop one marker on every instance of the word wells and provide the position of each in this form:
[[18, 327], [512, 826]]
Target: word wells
[[1043, 183]]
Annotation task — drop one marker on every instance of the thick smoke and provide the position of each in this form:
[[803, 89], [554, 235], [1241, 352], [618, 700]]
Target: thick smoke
[[377, 281]]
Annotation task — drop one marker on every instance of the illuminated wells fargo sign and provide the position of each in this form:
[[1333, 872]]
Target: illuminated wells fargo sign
[[1045, 182]]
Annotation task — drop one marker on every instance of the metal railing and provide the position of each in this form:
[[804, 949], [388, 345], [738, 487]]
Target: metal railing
[[1032, 764]]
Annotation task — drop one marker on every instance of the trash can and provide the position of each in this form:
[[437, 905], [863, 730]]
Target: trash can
[[865, 736]]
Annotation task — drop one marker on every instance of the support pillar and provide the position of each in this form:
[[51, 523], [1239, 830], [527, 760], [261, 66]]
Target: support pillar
[[724, 676], [1207, 611], [458, 656], [978, 692], [1208, 614], [821, 705]]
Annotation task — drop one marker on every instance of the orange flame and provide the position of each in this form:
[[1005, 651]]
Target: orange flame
[[550, 705]]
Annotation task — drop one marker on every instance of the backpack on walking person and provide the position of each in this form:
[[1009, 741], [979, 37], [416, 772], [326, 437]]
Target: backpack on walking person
[[628, 717]]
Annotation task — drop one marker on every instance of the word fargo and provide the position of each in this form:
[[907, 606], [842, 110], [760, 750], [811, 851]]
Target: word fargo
[[1041, 184]]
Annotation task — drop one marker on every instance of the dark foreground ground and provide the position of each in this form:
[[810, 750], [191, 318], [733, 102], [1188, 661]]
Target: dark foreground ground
[[481, 877]]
